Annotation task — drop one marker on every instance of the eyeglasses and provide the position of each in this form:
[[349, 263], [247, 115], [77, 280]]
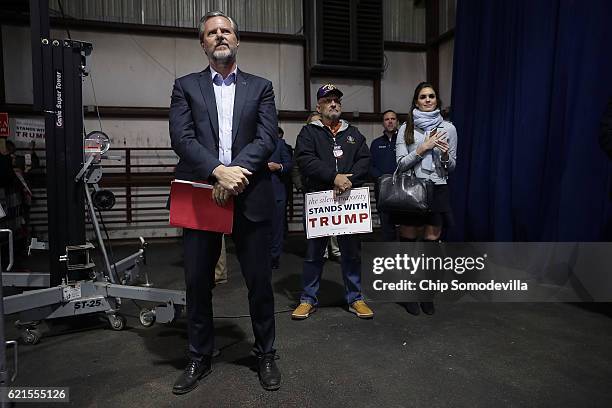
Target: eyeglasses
[[431, 96], [329, 100]]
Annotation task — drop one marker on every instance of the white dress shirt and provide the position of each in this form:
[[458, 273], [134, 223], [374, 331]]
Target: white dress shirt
[[225, 90]]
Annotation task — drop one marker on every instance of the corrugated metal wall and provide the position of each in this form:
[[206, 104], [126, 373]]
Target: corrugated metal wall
[[447, 15], [403, 21], [271, 16]]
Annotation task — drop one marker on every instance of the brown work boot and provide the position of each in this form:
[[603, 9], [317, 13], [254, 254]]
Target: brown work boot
[[361, 309], [303, 311]]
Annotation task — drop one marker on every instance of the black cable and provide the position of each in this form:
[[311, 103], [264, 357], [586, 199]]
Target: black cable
[[137, 305], [248, 315], [64, 18], [110, 247], [93, 90], [222, 317], [385, 63]]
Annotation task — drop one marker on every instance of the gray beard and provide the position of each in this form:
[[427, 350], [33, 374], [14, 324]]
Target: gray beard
[[334, 116], [223, 57]]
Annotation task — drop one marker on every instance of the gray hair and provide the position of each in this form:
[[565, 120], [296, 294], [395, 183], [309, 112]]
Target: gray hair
[[212, 14]]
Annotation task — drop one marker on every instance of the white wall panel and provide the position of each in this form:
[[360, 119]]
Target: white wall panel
[[404, 72], [17, 54], [133, 132], [137, 133], [189, 56], [290, 95], [261, 59], [370, 130], [292, 129], [130, 70], [139, 70], [358, 93]]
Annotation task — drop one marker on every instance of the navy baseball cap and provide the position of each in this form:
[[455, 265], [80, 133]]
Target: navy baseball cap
[[327, 90]]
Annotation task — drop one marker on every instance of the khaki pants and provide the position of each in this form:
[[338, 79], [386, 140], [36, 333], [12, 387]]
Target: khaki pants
[[221, 268], [333, 246]]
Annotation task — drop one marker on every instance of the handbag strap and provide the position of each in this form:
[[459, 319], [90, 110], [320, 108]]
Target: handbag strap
[[396, 174]]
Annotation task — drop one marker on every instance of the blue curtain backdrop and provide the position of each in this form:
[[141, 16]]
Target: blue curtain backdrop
[[531, 81]]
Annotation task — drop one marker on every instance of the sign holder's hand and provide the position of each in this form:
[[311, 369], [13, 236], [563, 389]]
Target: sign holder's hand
[[342, 183]]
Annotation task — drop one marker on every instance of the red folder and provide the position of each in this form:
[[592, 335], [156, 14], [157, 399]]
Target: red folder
[[192, 206]]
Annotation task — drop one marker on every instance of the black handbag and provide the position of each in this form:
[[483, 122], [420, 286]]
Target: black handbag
[[404, 193]]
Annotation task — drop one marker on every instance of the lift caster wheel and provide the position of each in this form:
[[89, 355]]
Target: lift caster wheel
[[30, 336], [147, 317], [178, 310], [117, 322]]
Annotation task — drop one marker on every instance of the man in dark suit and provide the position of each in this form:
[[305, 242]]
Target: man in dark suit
[[223, 127], [383, 162], [280, 165]]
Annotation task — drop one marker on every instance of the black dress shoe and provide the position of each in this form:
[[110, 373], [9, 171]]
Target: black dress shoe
[[269, 375], [411, 307], [188, 379], [428, 308], [275, 263]]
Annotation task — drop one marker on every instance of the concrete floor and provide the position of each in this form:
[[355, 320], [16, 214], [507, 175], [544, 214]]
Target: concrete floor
[[466, 355]]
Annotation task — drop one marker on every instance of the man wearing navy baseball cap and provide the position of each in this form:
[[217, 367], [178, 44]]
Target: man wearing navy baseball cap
[[328, 90], [332, 155]]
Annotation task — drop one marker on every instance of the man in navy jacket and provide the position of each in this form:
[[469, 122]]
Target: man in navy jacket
[[223, 127], [384, 162], [280, 165], [332, 155]]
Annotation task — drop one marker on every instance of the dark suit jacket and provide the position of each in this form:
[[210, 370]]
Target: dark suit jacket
[[282, 156], [194, 133]]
